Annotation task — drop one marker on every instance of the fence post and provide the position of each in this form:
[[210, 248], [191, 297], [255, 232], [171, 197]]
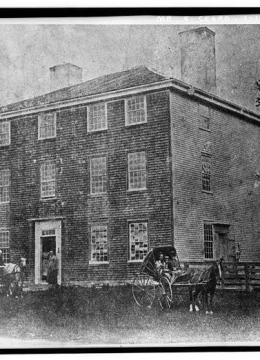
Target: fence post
[[247, 277]]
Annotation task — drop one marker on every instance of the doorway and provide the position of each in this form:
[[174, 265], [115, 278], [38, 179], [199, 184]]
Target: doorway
[[48, 244], [47, 238]]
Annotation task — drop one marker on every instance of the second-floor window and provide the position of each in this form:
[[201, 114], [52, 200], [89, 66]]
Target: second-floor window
[[5, 133], [97, 117], [48, 179], [4, 186], [47, 126], [137, 171], [206, 172], [135, 109], [98, 175]]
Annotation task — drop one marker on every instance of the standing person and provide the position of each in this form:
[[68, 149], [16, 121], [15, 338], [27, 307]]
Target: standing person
[[53, 268]]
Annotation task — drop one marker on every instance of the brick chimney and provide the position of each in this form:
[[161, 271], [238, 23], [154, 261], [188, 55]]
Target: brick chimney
[[64, 75], [198, 64]]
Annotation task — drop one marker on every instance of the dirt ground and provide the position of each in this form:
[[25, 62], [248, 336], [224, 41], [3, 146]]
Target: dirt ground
[[75, 316]]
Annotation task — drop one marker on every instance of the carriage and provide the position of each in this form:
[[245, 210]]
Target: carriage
[[150, 284]]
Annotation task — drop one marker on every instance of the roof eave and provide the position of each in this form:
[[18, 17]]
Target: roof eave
[[160, 85]]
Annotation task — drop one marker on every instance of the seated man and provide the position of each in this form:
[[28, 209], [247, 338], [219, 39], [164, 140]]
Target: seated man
[[174, 266], [174, 261], [167, 270], [160, 264]]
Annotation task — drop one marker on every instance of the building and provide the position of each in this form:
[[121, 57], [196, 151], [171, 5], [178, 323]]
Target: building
[[104, 170]]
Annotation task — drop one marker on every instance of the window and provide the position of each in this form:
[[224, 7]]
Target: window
[[137, 171], [206, 172], [135, 109], [47, 126], [99, 246], [98, 175], [4, 245], [4, 186], [48, 179], [208, 241], [5, 133], [97, 117], [138, 238], [204, 117]]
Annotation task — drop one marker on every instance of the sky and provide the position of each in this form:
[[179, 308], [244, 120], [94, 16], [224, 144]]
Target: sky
[[28, 50]]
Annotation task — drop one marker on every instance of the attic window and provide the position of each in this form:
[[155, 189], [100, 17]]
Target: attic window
[[97, 117], [135, 110], [46, 126], [4, 133], [204, 117]]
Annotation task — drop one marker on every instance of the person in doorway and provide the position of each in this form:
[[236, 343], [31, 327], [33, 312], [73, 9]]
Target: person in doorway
[[53, 268]]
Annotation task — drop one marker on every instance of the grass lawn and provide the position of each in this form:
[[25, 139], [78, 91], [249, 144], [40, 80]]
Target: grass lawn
[[110, 316]]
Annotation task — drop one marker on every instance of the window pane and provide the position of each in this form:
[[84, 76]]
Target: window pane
[[138, 237], [99, 245], [97, 118], [4, 185], [48, 179], [98, 175], [47, 125], [135, 110], [137, 170], [4, 133]]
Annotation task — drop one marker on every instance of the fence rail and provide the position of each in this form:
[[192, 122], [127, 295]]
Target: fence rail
[[238, 275]]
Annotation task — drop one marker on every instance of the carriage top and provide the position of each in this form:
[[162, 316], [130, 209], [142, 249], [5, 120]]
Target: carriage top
[[148, 265]]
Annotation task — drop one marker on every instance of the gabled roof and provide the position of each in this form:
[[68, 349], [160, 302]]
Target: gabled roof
[[120, 80]]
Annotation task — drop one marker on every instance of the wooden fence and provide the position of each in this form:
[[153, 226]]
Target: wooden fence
[[244, 276], [241, 275]]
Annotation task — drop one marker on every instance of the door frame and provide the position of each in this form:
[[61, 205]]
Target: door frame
[[40, 225]]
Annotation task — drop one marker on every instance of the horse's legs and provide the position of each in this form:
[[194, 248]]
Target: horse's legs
[[191, 298], [194, 292], [211, 300]]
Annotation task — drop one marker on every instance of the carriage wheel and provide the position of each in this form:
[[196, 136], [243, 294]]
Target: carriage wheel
[[143, 290], [165, 293]]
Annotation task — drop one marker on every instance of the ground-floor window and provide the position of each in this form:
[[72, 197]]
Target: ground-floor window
[[99, 243], [208, 241], [4, 245], [138, 240]]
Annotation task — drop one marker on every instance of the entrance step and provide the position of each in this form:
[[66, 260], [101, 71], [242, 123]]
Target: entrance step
[[34, 287]]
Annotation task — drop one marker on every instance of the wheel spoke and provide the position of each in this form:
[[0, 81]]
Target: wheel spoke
[[165, 298], [139, 287], [143, 290]]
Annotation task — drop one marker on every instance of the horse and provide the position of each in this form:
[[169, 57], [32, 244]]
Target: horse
[[13, 277], [203, 285]]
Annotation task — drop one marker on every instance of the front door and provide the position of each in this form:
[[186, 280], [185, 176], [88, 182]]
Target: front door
[[47, 238]]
